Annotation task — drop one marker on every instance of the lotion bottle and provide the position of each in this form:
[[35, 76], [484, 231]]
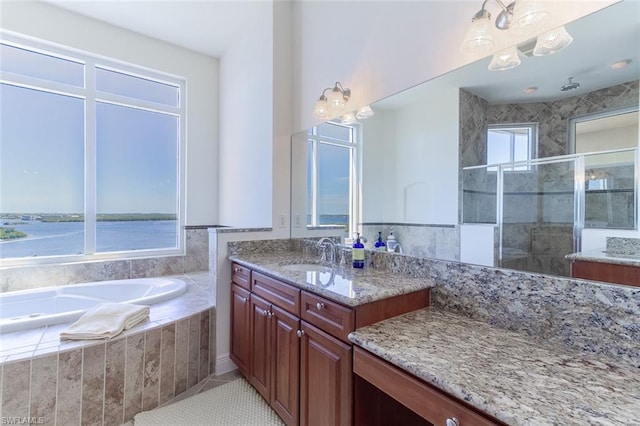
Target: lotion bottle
[[358, 253], [380, 245]]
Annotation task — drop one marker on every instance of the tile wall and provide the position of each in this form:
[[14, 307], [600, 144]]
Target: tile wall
[[107, 383]]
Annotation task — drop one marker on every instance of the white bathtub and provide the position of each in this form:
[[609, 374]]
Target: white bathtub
[[21, 310]]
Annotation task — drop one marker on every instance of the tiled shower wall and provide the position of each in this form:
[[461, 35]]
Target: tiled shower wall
[[109, 382], [27, 277], [421, 240]]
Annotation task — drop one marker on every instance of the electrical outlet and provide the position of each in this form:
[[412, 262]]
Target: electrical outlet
[[297, 221], [283, 221]]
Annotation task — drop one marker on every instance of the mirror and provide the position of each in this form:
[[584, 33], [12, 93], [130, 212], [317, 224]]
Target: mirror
[[420, 164]]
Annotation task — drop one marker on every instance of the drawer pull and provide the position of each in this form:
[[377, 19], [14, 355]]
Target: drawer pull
[[453, 422], [300, 333], [245, 299], [265, 313], [237, 270], [320, 306]]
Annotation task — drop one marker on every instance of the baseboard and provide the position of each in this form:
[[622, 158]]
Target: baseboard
[[224, 364]]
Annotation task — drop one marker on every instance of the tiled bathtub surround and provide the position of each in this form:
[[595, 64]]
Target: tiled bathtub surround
[[28, 277], [590, 316], [108, 382]]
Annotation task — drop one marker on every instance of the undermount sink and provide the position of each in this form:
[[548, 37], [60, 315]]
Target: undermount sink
[[307, 267]]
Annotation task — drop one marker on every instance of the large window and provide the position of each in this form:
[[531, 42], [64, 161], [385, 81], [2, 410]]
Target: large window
[[90, 156], [331, 194]]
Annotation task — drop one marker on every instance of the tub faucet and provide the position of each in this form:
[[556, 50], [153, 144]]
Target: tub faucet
[[322, 244]]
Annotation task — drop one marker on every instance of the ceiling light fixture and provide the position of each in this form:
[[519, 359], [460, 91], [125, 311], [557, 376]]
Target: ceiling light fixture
[[620, 64], [530, 90], [333, 104]]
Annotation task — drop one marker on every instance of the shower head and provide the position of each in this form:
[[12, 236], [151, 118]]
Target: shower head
[[571, 85]]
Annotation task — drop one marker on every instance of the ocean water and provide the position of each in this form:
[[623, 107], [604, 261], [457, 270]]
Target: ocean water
[[67, 238]]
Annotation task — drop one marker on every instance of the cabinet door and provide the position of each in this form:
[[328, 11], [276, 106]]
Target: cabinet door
[[241, 328], [261, 348], [326, 383], [285, 365]]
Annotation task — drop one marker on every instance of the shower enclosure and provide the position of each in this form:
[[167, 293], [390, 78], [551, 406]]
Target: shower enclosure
[[541, 207]]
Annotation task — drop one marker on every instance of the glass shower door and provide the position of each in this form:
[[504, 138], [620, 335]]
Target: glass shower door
[[537, 214]]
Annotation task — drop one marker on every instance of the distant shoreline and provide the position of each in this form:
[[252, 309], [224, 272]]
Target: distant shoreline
[[71, 217]]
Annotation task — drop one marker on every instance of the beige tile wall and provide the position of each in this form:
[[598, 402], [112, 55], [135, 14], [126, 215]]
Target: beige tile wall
[[107, 383]]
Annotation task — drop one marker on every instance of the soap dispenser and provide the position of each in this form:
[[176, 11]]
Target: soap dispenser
[[380, 245], [358, 253], [391, 242]]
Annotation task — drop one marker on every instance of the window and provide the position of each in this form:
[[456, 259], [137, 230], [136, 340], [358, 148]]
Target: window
[[331, 175], [90, 156], [511, 144]]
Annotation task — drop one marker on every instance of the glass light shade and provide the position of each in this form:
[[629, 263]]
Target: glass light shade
[[364, 112], [348, 118], [552, 42], [336, 102], [505, 59], [321, 110], [530, 13], [479, 40]]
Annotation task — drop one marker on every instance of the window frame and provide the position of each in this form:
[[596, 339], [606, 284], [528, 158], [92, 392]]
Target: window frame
[[91, 96], [532, 148]]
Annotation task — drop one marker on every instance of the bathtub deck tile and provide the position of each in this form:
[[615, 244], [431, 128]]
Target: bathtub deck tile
[[44, 377], [93, 385], [15, 389], [204, 346], [114, 383], [134, 378], [194, 350], [151, 388], [167, 363], [69, 395]]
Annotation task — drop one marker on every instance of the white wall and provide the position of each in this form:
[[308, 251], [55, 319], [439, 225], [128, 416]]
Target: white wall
[[247, 128], [50, 23]]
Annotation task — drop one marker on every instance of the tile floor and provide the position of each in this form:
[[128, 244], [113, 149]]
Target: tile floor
[[207, 384]]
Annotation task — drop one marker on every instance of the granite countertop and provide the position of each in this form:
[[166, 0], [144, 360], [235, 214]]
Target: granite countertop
[[346, 285], [505, 374], [606, 256]]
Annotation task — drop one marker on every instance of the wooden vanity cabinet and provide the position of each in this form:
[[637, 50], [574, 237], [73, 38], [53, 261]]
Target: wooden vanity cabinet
[[292, 345], [607, 272]]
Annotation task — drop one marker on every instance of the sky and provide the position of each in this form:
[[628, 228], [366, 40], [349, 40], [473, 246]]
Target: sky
[[42, 145]]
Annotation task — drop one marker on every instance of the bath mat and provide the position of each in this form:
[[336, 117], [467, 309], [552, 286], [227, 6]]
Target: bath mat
[[235, 403]]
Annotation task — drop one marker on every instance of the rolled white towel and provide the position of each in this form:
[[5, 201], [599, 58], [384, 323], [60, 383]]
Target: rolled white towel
[[105, 321]]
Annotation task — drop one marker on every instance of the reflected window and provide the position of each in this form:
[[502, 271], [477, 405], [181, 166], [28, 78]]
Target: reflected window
[[331, 175], [511, 144]]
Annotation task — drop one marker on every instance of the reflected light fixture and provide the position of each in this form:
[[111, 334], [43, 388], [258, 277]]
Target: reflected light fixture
[[518, 15], [333, 104], [570, 85], [364, 112], [348, 118], [505, 59], [552, 41], [620, 64]]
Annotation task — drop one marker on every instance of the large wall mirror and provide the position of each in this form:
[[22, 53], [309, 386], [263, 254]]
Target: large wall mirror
[[495, 168]]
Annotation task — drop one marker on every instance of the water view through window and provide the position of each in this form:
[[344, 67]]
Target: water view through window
[[87, 170]]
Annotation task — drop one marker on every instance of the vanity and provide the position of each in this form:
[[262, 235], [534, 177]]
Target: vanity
[[618, 262], [381, 346]]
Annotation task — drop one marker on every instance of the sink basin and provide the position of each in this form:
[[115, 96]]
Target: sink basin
[[307, 267]]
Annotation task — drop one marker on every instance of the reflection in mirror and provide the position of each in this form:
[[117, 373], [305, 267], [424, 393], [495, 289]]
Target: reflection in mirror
[[471, 167]]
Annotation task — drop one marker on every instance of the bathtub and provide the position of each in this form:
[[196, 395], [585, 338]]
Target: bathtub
[[21, 310]]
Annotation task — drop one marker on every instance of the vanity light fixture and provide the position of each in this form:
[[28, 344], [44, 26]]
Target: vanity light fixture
[[519, 14], [364, 112], [333, 104], [348, 118], [505, 60], [552, 41]]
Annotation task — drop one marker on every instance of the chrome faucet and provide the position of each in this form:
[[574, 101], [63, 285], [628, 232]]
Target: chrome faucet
[[397, 248], [322, 244]]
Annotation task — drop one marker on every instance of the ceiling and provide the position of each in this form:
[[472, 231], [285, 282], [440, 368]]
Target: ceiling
[[209, 27]]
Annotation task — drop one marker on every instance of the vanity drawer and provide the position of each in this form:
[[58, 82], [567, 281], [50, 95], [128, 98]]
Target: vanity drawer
[[280, 294], [329, 316], [241, 275]]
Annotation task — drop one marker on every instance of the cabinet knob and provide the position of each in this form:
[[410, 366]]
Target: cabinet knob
[[265, 313], [320, 306], [300, 333], [245, 299], [236, 269], [270, 314], [453, 421]]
